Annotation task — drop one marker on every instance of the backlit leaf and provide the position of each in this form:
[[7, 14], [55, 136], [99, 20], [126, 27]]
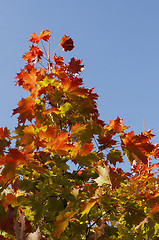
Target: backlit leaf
[[67, 43], [87, 206], [103, 173]]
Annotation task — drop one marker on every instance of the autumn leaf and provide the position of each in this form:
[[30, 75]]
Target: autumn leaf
[[7, 224], [10, 198], [106, 141], [67, 43], [26, 109], [58, 60], [87, 206], [137, 147], [47, 134], [103, 173], [30, 82], [62, 223], [114, 156], [60, 145], [13, 156], [116, 126], [153, 210], [44, 35], [75, 66], [4, 132], [34, 55], [77, 128]]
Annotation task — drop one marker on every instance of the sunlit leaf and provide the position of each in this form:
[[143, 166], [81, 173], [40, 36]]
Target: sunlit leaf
[[104, 177]]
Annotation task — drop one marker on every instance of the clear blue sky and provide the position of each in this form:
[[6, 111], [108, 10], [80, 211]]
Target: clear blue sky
[[118, 42]]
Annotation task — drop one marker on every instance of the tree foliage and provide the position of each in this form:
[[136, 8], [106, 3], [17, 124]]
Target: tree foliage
[[41, 195]]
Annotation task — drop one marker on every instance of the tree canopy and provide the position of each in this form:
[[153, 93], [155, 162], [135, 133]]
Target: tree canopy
[[58, 125]]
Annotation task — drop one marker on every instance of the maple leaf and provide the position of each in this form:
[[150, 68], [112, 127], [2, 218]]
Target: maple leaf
[[117, 176], [88, 205], [10, 198], [116, 126], [7, 224], [106, 141], [60, 144], [75, 66], [77, 128], [67, 43], [137, 147], [58, 60], [34, 38], [30, 82], [13, 156], [47, 134], [4, 133], [62, 223], [103, 173], [153, 210], [156, 151], [26, 109], [44, 35], [114, 156], [149, 134], [34, 55]]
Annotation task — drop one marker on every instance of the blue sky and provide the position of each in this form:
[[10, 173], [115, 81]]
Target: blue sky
[[118, 42]]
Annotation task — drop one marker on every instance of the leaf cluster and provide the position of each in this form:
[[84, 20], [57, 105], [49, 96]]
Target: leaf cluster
[[58, 126]]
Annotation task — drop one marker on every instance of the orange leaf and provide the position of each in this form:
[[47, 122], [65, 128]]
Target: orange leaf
[[77, 128], [34, 55], [13, 156], [60, 144], [137, 147], [34, 38], [116, 126], [26, 108], [47, 135], [44, 35], [10, 198], [62, 223]]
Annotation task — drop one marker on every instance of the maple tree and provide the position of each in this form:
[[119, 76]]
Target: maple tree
[[41, 195]]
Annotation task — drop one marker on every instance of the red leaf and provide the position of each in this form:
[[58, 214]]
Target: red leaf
[[66, 43], [7, 224], [4, 133], [75, 66]]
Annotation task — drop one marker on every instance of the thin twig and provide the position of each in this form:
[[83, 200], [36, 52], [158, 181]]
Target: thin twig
[[55, 51], [44, 48]]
